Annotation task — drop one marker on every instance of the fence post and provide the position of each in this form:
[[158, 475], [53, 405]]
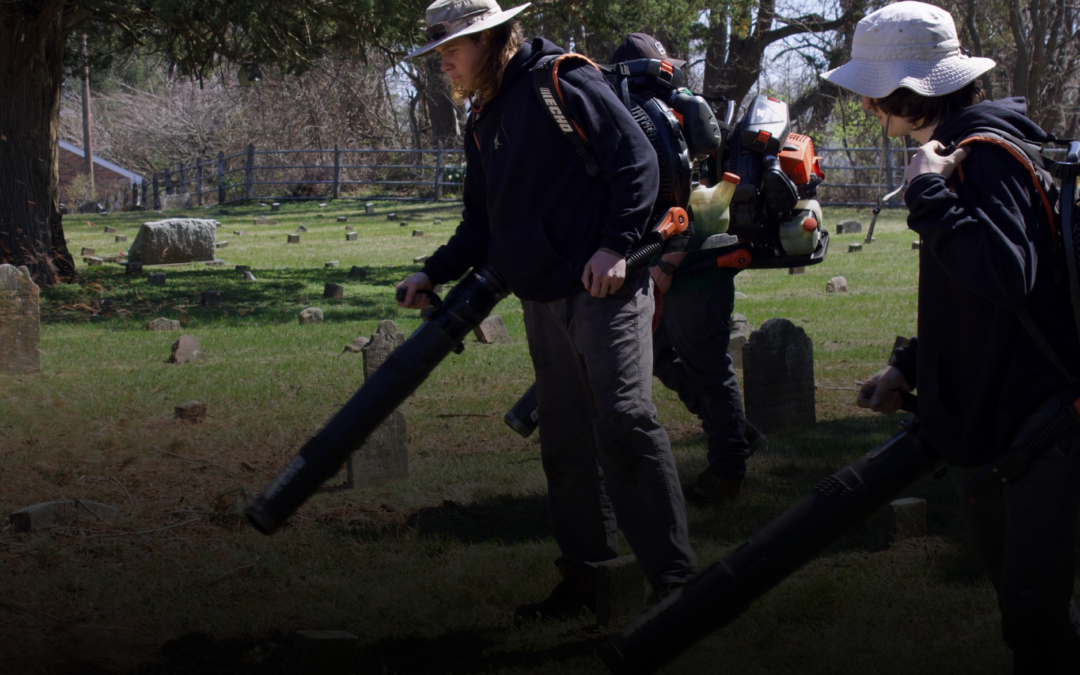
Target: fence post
[[438, 170], [157, 197], [249, 173], [134, 195], [890, 178], [168, 181], [337, 171], [182, 187], [221, 178], [142, 202], [198, 182]]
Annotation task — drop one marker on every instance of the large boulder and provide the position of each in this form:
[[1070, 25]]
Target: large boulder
[[174, 240]]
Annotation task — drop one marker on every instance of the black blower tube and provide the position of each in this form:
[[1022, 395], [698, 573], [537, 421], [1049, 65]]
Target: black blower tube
[[410, 364], [723, 591]]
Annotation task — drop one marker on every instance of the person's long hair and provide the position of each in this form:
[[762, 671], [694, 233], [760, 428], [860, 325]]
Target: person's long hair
[[503, 42], [924, 111]]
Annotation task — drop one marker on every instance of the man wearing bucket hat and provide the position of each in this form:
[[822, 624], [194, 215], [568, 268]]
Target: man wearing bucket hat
[[560, 236], [988, 297]]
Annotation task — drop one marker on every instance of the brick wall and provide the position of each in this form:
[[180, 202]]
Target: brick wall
[[106, 181]]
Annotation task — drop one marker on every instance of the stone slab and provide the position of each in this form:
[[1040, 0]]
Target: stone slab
[[352, 236], [163, 324], [796, 270], [222, 244], [312, 316], [356, 346], [854, 248], [332, 290], [902, 519], [848, 227], [492, 331], [87, 251], [248, 276], [294, 239], [174, 240], [620, 590], [186, 350], [275, 207], [357, 273], [386, 339], [110, 230], [331, 263], [322, 652], [343, 219], [120, 238], [383, 456], [417, 233], [778, 377], [37, 516], [369, 208], [836, 285], [20, 321]]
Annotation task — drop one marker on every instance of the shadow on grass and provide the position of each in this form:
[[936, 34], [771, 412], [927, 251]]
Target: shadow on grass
[[276, 298]]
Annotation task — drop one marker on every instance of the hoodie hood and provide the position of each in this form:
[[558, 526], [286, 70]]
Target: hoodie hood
[[531, 51], [1006, 115]]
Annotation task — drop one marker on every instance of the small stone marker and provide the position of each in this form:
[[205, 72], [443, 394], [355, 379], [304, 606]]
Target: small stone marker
[[322, 652], [238, 233], [94, 261], [156, 279], [740, 333], [420, 258], [356, 346], [133, 269], [323, 205], [311, 316], [357, 273], [417, 233], [162, 324], [190, 412], [120, 238], [186, 350], [403, 223], [332, 263], [275, 207], [87, 251], [20, 321], [211, 298], [492, 331], [294, 239], [301, 228], [437, 221], [343, 219], [854, 248], [333, 291], [902, 519], [836, 285], [391, 216], [349, 228], [916, 245], [222, 244], [848, 227], [386, 339], [248, 276], [243, 268], [740, 295], [110, 230], [351, 236], [369, 208], [796, 270], [263, 220], [778, 376], [620, 589], [33, 518], [385, 453]]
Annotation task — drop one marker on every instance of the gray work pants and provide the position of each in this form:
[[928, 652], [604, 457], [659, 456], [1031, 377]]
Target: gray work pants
[[690, 356], [1027, 538], [603, 451]]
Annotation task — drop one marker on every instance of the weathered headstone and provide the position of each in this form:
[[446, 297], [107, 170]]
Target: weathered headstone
[[211, 298], [902, 519], [275, 207], [87, 251], [391, 216], [222, 244], [332, 290], [133, 269], [916, 245], [33, 518], [369, 208], [778, 376], [357, 273], [191, 412], [332, 263], [120, 238], [110, 230], [186, 350], [383, 456], [848, 227], [248, 276], [356, 346], [796, 270], [349, 228], [351, 236], [161, 323], [403, 223], [174, 240], [740, 333], [492, 331], [386, 339], [156, 279], [854, 248], [437, 221], [620, 589], [417, 233], [836, 285], [322, 652], [311, 316], [94, 261], [343, 219], [301, 228], [294, 239], [20, 321]]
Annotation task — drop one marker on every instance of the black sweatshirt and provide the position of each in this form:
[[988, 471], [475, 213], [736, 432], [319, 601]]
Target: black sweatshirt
[[987, 250], [531, 209]]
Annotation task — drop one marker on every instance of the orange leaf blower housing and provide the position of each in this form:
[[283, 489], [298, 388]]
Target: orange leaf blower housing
[[797, 159]]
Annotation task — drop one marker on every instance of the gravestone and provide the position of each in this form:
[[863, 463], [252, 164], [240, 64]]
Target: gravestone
[[417, 233], [312, 316], [902, 519], [349, 228], [385, 453], [133, 269], [186, 350], [120, 238], [333, 291], [836, 285], [357, 273], [275, 207], [437, 221], [391, 216], [190, 412], [301, 228], [248, 276], [778, 376], [420, 258], [403, 223], [356, 346], [87, 251], [848, 227], [20, 321], [492, 331], [386, 339], [110, 230], [211, 298], [33, 518], [739, 295], [94, 261], [740, 333], [156, 279], [916, 245], [174, 240], [222, 244], [620, 590], [343, 219], [351, 236], [161, 323], [294, 239], [796, 270], [322, 652], [369, 208], [332, 263], [238, 233], [854, 248]]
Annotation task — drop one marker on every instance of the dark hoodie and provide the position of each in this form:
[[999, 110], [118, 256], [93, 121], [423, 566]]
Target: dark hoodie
[[531, 209], [987, 250]]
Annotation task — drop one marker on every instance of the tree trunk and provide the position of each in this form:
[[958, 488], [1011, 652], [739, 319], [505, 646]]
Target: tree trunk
[[32, 38], [716, 51], [440, 109]]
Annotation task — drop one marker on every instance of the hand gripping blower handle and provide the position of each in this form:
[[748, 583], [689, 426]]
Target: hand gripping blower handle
[[405, 370]]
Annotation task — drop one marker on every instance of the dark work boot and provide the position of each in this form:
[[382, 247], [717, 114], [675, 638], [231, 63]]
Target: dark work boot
[[754, 438], [712, 489], [572, 595]]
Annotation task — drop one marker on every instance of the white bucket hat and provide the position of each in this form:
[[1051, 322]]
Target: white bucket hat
[[449, 19], [907, 44]]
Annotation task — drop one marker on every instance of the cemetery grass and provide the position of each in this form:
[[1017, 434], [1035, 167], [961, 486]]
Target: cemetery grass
[[426, 570]]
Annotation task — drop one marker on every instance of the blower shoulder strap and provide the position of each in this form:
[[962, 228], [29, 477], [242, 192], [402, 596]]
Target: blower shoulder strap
[[545, 77]]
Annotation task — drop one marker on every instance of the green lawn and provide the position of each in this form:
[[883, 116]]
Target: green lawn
[[427, 570]]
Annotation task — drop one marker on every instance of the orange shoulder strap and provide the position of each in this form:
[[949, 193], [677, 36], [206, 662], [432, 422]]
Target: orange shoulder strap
[[558, 88]]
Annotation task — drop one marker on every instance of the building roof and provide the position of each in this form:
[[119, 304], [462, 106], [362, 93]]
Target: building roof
[[133, 177]]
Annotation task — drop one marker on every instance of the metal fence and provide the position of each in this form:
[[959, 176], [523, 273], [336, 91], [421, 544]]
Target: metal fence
[[859, 177]]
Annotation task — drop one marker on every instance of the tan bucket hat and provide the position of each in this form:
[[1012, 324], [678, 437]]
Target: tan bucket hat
[[449, 19], [907, 44]]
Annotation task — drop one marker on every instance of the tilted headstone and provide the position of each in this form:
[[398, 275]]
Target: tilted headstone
[[492, 331], [222, 244], [351, 236], [332, 290], [186, 350], [902, 519], [403, 223], [311, 316], [778, 377], [110, 230], [356, 346], [848, 227], [20, 321], [836, 285], [248, 276], [420, 258], [437, 221], [162, 323], [94, 261], [174, 240], [369, 208], [349, 228], [620, 590], [739, 295], [740, 333], [87, 251], [301, 228]]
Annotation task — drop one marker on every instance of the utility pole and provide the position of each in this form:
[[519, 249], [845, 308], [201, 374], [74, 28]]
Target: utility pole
[[88, 150]]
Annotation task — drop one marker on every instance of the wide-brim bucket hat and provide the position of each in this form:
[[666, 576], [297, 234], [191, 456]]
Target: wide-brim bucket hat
[[907, 44], [446, 20]]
